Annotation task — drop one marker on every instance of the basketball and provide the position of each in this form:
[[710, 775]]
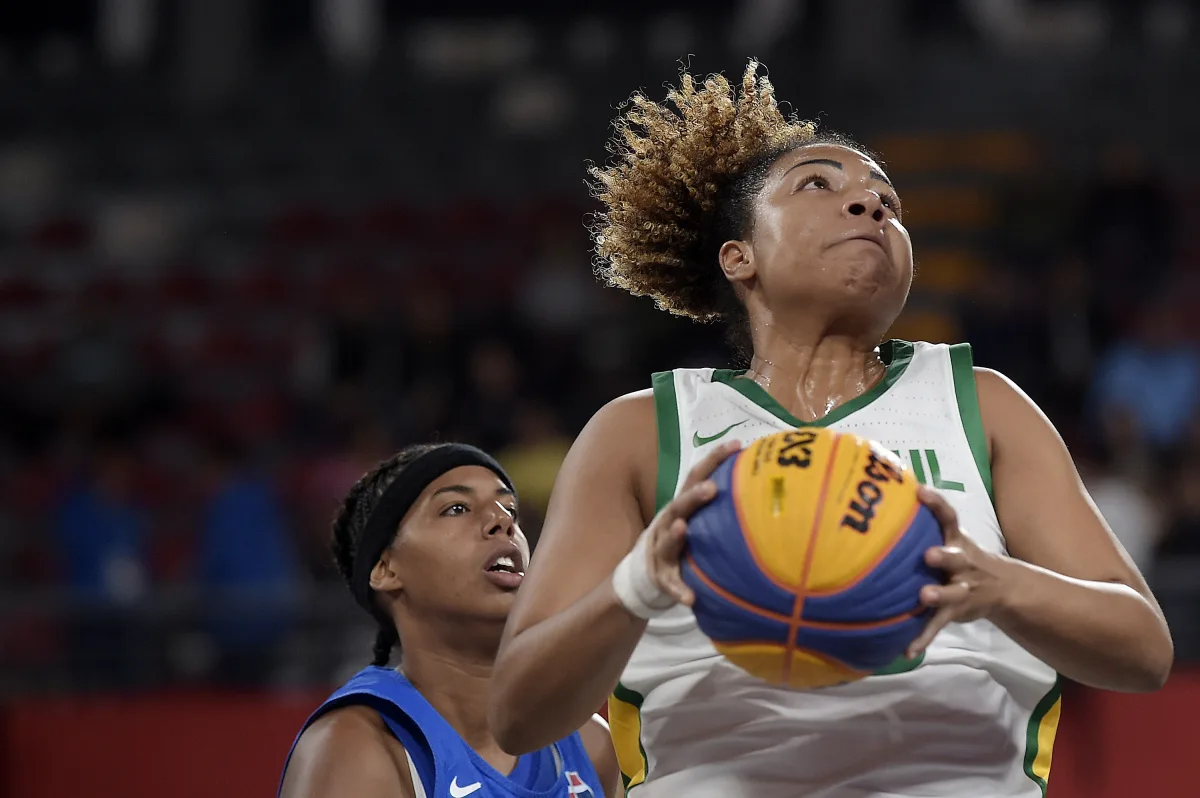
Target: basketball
[[807, 566]]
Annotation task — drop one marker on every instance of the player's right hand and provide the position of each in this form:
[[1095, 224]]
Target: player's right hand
[[668, 530]]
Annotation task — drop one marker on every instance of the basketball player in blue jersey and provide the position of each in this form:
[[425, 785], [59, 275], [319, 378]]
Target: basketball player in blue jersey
[[722, 209], [429, 544]]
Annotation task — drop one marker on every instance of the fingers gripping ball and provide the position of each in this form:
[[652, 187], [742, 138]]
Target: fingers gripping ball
[[808, 564]]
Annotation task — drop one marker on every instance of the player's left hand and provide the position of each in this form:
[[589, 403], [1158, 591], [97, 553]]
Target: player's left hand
[[976, 580]]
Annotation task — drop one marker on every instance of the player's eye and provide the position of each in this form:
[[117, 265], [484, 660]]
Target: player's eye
[[891, 202], [813, 181], [458, 508]]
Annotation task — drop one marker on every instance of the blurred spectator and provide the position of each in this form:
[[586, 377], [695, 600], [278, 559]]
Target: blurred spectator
[[1182, 538], [1154, 376], [491, 402], [1125, 227], [559, 294], [1003, 311], [427, 362], [99, 361], [1073, 332], [1129, 508], [247, 562], [100, 530], [533, 461], [322, 484]]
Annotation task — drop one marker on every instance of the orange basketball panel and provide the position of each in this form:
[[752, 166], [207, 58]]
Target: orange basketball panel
[[777, 486], [867, 510]]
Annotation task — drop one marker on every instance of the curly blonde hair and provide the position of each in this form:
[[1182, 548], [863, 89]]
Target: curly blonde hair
[[682, 182]]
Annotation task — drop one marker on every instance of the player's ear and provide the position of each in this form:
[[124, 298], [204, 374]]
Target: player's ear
[[737, 261], [385, 576]]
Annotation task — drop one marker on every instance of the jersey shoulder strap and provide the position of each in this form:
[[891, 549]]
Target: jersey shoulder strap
[[405, 712]]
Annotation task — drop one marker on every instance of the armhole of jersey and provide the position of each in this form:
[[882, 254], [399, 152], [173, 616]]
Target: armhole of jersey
[[422, 768], [418, 750], [413, 773], [962, 368], [666, 412]]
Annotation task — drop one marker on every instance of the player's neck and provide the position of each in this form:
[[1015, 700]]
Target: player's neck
[[456, 680], [811, 374]]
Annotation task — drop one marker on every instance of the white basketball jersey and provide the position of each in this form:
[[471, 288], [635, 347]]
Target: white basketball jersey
[[975, 717]]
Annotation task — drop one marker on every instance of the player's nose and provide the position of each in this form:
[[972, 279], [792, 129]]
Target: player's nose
[[498, 521], [864, 202]]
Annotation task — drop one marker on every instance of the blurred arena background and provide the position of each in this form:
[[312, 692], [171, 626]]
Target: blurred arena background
[[249, 248]]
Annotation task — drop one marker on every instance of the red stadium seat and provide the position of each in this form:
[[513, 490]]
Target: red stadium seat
[[185, 287], [20, 292], [305, 224], [390, 220], [62, 233]]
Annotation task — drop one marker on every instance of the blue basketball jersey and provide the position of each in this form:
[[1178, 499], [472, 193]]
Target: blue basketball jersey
[[447, 766]]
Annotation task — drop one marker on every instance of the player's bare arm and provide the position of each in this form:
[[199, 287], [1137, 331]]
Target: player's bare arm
[[568, 611], [348, 752], [598, 743], [1069, 594]]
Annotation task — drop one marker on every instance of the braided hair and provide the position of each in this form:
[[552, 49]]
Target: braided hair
[[350, 522]]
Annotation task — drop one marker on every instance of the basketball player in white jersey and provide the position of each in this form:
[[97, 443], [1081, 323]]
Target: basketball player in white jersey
[[722, 209]]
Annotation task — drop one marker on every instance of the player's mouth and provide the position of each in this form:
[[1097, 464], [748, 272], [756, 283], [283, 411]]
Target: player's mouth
[[505, 568]]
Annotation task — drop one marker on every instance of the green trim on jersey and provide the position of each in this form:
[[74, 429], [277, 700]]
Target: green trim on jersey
[[895, 354], [901, 664], [666, 411], [962, 365], [626, 698], [1043, 723]]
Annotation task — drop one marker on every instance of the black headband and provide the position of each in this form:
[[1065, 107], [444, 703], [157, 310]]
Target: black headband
[[398, 498]]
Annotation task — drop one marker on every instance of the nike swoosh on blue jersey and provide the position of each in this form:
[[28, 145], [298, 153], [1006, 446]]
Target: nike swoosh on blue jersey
[[460, 792]]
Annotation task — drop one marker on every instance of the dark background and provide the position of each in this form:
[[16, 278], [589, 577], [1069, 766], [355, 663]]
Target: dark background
[[249, 248]]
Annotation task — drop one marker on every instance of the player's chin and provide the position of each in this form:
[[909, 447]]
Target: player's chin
[[868, 271], [873, 282]]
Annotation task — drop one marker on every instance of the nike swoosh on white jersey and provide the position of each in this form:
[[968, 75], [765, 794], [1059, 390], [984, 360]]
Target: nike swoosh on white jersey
[[459, 792]]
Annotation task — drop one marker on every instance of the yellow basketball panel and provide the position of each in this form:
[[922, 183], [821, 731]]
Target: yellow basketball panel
[[809, 671], [778, 485], [763, 660], [870, 500], [770, 663]]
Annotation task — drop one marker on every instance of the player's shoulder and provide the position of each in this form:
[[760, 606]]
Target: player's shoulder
[[346, 748], [618, 448], [353, 727], [629, 413]]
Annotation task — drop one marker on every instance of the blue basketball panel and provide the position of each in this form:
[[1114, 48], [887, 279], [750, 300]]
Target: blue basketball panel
[[724, 621], [892, 586], [716, 542], [863, 649]]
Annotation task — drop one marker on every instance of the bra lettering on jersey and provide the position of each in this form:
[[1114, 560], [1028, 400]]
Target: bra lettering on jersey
[[917, 460], [460, 792]]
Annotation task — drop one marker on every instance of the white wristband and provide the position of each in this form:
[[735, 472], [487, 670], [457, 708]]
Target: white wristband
[[635, 588]]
